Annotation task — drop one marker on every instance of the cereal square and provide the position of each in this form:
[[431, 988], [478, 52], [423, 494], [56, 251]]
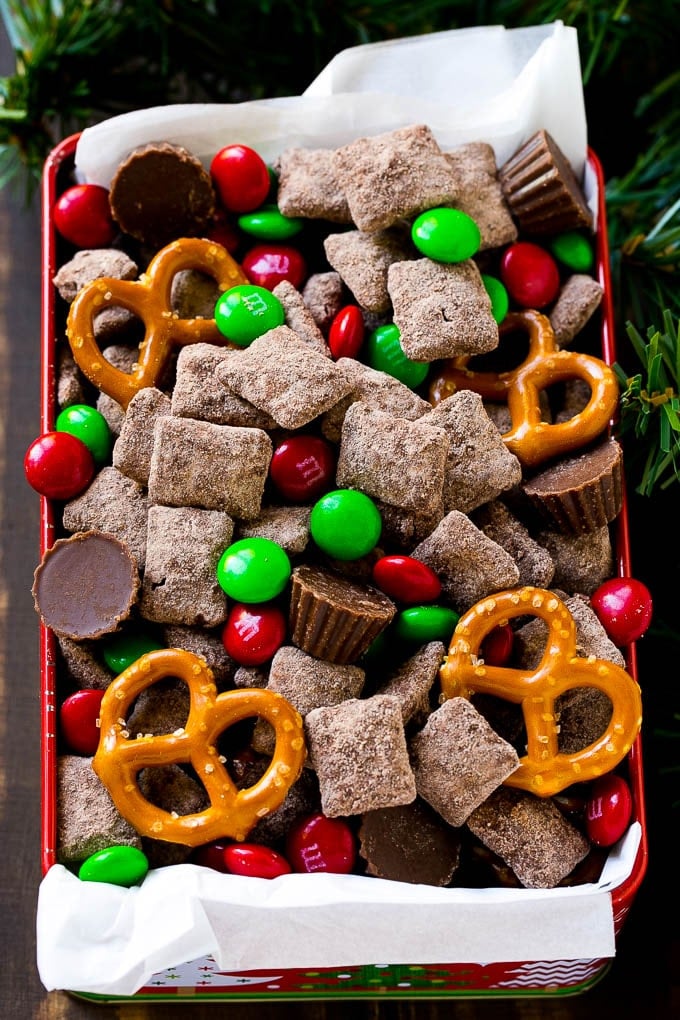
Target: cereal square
[[469, 565], [531, 835], [481, 195], [180, 580], [307, 683], [377, 389], [132, 449], [576, 302], [324, 294], [308, 186], [113, 503], [286, 377], [358, 749], [298, 316], [582, 562], [413, 680], [500, 525], [399, 461], [479, 465], [363, 260], [394, 175], [288, 526], [458, 760], [442, 310], [216, 467], [199, 394], [87, 819]]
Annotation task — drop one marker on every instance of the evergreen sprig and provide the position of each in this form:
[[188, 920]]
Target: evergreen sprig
[[650, 406]]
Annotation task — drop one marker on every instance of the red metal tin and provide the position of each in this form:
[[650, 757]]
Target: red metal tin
[[202, 978]]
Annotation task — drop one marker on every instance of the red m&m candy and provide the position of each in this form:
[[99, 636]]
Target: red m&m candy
[[623, 606], [255, 861], [302, 467], [530, 274], [241, 178], [269, 264], [78, 717], [318, 843], [608, 810], [346, 333], [82, 215], [496, 647], [406, 579], [58, 465], [254, 633]]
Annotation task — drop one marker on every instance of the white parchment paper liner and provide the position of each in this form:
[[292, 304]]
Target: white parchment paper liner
[[488, 84], [102, 938]]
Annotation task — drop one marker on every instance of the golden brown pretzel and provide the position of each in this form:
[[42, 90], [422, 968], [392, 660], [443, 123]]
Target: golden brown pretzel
[[150, 299], [232, 812], [531, 439], [543, 770]]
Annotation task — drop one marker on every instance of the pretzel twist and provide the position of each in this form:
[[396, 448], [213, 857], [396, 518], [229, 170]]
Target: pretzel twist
[[149, 298], [532, 440], [232, 812], [543, 770]]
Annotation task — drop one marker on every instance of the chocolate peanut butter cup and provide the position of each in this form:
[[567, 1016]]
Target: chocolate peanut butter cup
[[86, 585], [334, 618], [161, 192], [542, 190], [582, 493]]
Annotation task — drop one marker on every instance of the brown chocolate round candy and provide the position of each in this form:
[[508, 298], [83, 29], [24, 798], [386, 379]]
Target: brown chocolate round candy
[[161, 192], [581, 493], [85, 585]]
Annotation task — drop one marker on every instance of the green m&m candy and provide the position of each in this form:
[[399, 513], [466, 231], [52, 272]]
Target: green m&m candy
[[90, 426], [121, 650], [385, 353], [498, 295], [346, 524], [573, 250], [246, 311], [446, 235], [118, 865], [269, 224], [253, 570], [421, 624]]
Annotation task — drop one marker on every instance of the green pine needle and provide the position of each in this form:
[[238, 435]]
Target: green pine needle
[[650, 406]]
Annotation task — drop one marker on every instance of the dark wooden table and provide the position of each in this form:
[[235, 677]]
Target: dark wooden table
[[644, 978]]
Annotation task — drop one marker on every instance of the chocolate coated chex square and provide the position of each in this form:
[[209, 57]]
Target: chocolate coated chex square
[[399, 461], [216, 467], [442, 310], [359, 751], [394, 175], [284, 376]]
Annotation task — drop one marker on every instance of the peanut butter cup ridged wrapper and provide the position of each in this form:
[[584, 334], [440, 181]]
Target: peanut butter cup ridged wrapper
[[582, 493], [541, 189], [335, 618]]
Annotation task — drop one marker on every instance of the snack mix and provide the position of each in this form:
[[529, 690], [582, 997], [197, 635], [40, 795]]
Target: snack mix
[[334, 484]]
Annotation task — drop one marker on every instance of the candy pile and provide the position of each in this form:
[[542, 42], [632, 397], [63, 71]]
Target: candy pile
[[332, 588]]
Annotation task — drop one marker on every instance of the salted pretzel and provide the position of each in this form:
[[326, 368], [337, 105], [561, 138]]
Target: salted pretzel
[[543, 770], [149, 298], [232, 813], [531, 439]]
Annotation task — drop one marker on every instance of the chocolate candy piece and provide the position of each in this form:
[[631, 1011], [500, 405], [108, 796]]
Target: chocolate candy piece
[[580, 493], [409, 843], [333, 618], [541, 188], [530, 835], [85, 585], [161, 192]]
